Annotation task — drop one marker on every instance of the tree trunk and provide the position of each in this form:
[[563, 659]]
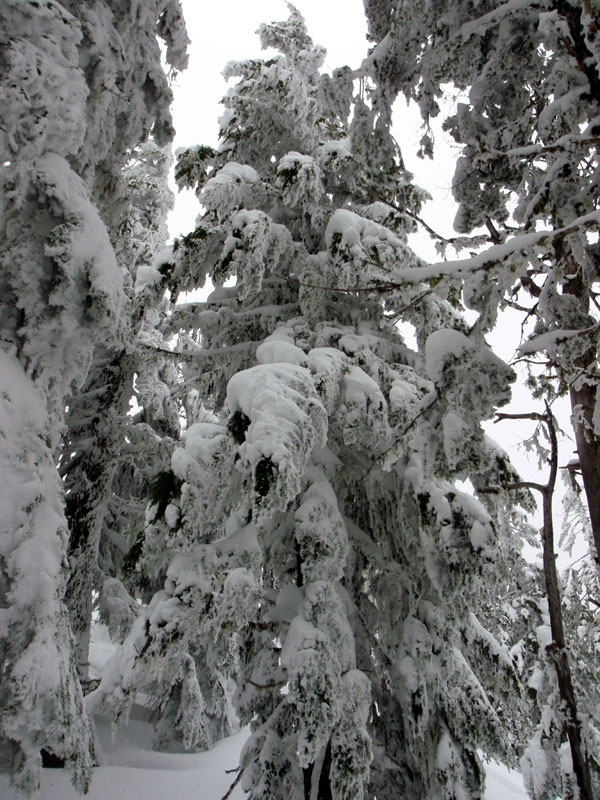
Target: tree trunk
[[318, 772], [96, 445], [583, 400], [583, 392], [558, 647]]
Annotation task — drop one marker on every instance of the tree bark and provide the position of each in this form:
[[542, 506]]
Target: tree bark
[[318, 776], [558, 648], [583, 393], [583, 400]]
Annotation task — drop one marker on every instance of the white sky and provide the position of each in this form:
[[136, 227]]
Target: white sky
[[225, 31]]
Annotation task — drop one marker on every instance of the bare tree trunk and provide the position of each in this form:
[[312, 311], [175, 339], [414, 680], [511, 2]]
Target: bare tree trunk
[[583, 393], [583, 397], [583, 400], [317, 785], [558, 647]]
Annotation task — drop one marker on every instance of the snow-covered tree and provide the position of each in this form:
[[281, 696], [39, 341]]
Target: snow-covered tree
[[527, 125], [81, 85], [110, 457], [321, 555]]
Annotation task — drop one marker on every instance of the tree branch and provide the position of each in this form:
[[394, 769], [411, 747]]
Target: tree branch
[[530, 415], [516, 485], [271, 685], [238, 778]]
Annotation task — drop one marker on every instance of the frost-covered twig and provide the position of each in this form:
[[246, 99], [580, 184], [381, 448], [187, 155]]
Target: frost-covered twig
[[403, 432], [565, 143]]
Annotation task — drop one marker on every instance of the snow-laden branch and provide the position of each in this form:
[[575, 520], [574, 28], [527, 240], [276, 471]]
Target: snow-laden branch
[[551, 338], [481, 24], [565, 143], [493, 255]]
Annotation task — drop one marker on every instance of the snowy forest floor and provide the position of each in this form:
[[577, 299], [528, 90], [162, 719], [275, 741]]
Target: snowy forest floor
[[131, 770]]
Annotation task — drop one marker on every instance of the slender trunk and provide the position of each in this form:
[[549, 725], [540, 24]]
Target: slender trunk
[[317, 785], [583, 400], [88, 487], [558, 647], [324, 782], [583, 393]]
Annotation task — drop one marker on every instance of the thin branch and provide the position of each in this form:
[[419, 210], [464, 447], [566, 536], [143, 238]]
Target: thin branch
[[509, 486], [271, 685], [494, 233], [566, 143], [492, 257], [517, 307], [427, 227], [531, 415], [238, 778], [415, 301], [401, 435], [298, 282], [200, 353]]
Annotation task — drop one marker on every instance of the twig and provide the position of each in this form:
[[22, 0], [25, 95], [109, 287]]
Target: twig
[[422, 222], [402, 433], [531, 415], [238, 778], [200, 353], [415, 301], [271, 685], [377, 286], [494, 234], [507, 486]]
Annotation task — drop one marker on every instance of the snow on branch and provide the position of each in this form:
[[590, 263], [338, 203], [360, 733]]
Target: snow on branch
[[518, 245]]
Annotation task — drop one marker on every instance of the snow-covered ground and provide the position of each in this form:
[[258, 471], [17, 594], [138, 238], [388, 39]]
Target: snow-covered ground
[[131, 770]]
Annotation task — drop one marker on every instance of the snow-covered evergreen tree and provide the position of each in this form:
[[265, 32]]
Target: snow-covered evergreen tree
[[111, 457], [321, 555], [81, 85], [527, 126]]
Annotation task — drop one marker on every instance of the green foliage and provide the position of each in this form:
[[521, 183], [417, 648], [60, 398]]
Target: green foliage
[[192, 239], [238, 425], [263, 476], [132, 556], [164, 487], [191, 170]]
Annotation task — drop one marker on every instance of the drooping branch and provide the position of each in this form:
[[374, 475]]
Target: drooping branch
[[494, 256]]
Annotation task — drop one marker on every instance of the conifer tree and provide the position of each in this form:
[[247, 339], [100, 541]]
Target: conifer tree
[[321, 555], [81, 85], [527, 129]]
